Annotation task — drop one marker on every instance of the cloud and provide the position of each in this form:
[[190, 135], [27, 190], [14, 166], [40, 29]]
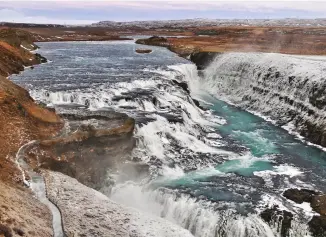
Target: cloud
[[85, 12], [18, 16], [317, 6]]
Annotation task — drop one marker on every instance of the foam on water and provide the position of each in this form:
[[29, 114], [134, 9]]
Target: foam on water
[[201, 218], [153, 138], [281, 170]]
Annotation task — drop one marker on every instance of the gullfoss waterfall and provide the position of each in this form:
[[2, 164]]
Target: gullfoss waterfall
[[212, 166]]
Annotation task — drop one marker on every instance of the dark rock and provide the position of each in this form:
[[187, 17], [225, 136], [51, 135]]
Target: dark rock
[[154, 40], [19, 231], [317, 226], [300, 195], [40, 58], [196, 102], [283, 217], [291, 78], [143, 51], [154, 101], [317, 201], [87, 103], [51, 109], [203, 59], [318, 204], [123, 97], [172, 118], [183, 85], [5, 231], [81, 115]]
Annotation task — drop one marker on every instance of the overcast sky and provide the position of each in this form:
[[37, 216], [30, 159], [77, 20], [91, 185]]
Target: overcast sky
[[84, 12]]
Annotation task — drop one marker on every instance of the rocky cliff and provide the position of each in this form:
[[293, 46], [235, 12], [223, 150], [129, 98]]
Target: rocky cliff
[[15, 51], [21, 120], [289, 89], [87, 151]]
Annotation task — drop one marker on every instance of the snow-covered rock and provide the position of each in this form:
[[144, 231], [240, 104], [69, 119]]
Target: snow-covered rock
[[86, 212]]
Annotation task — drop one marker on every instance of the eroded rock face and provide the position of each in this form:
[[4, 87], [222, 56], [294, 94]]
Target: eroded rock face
[[274, 85], [183, 85], [97, 142], [317, 201], [300, 195], [318, 223], [15, 47], [318, 226], [282, 217], [203, 59], [21, 120]]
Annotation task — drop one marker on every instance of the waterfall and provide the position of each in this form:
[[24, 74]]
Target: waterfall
[[288, 89]]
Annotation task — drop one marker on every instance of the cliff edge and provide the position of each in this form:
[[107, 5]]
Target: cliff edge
[[21, 120]]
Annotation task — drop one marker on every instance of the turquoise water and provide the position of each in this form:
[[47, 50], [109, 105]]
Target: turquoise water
[[263, 138], [238, 167], [268, 148]]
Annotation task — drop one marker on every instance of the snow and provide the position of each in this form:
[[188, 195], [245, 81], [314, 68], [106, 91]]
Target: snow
[[197, 22], [87, 212], [22, 46]]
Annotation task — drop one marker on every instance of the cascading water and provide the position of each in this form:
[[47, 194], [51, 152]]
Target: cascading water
[[210, 171], [288, 89]]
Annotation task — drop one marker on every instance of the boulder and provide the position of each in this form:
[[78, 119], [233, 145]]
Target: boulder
[[317, 226], [183, 85], [300, 195], [317, 201], [40, 58], [318, 204], [282, 217], [143, 51]]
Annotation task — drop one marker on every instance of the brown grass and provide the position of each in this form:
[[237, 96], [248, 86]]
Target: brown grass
[[306, 41]]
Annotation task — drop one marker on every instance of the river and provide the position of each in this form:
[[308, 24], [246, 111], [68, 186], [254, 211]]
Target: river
[[211, 170]]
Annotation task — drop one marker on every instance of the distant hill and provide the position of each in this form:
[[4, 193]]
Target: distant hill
[[31, 25], [190, 23]]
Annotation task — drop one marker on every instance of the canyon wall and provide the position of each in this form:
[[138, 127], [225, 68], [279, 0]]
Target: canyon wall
[[21, 120], [290, 89]]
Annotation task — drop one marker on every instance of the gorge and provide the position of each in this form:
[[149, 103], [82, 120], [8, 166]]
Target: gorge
[[158, 146]]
